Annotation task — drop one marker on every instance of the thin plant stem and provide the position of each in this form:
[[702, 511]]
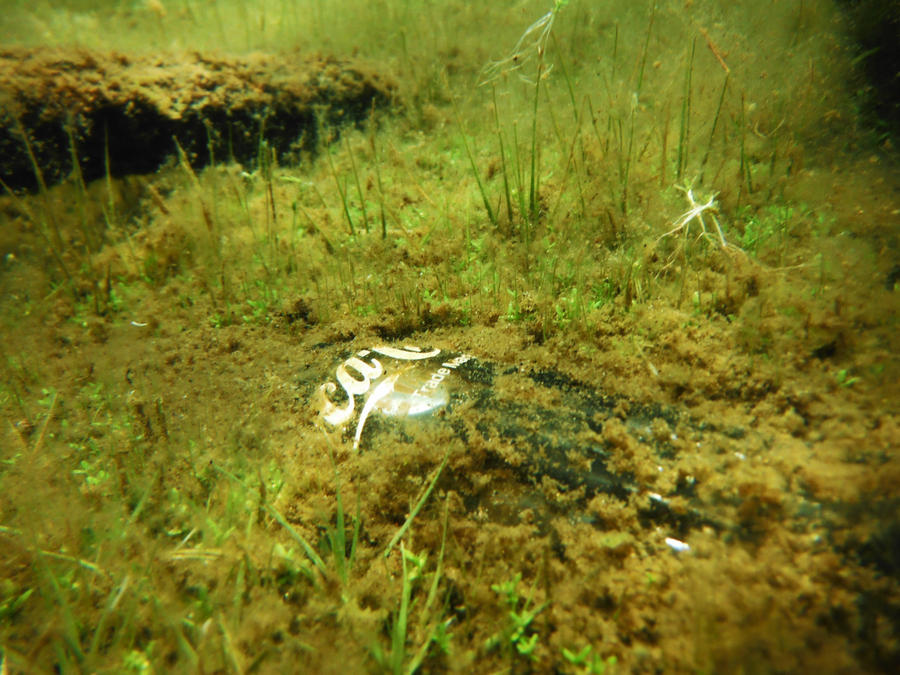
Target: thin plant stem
[[372, 144], [533, 191], [685, 130], [714, 125], [417, 507], [635, 101], [503, 165], [487, 204], [359, 190], [342, 191]]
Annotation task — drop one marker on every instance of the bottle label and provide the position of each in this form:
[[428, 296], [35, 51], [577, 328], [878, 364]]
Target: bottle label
[[396, 382]]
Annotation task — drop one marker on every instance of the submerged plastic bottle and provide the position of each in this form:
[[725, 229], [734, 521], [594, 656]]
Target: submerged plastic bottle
[[539, 423]]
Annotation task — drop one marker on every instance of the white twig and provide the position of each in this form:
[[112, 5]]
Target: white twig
[[696, 213]]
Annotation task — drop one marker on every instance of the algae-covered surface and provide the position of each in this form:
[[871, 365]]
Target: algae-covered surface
[[658, 247]]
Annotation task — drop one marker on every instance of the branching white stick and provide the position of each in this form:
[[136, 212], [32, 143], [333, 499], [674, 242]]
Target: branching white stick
[[696, 213]]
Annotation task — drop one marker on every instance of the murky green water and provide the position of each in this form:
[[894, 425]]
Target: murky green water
[[485, 337]]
